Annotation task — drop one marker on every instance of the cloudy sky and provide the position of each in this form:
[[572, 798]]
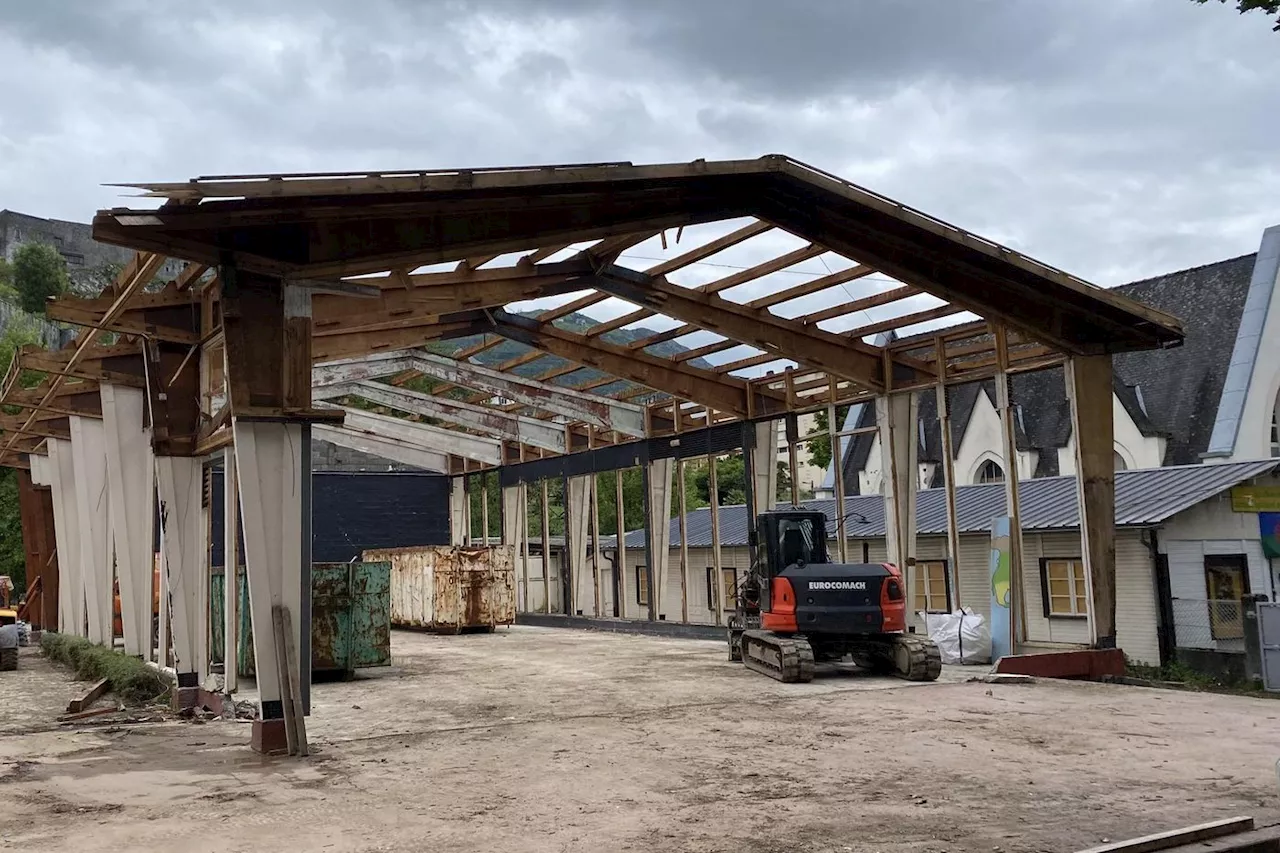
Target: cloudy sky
[[1114, 138]]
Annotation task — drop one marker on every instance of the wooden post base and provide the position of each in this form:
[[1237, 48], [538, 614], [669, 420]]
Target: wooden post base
[[269, 737]]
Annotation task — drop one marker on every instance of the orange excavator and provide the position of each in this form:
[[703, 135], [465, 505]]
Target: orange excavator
[[117, 626], [796, 608]]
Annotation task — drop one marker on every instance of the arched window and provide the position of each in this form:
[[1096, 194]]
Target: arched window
[[989, 472], [1120, 466]]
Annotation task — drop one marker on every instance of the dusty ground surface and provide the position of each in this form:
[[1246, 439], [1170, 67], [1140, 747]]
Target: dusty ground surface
[[550, 740]]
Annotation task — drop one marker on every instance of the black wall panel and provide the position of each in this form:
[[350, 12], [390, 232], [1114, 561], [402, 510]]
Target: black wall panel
[[353, 512]]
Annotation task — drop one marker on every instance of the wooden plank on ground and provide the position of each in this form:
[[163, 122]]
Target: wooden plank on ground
[[84, 700], [1176, 837]]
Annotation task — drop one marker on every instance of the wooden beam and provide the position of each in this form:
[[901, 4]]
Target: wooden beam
[[883, 298], [132, 322], [903, 321], [139, 272], [852, 360], [1090, 391], [679, 380]]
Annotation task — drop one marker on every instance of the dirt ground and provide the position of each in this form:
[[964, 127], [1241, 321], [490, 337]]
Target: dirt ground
[[550, 740]]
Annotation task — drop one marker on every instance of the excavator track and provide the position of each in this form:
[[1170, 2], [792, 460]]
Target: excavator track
[[910, 656], [788, 659]]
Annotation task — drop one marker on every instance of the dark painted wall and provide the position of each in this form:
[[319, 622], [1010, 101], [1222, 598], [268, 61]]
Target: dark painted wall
[[352, 512]]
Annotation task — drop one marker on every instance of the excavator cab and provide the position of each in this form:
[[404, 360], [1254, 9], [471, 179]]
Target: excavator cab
[[796, 607], [792, 538]]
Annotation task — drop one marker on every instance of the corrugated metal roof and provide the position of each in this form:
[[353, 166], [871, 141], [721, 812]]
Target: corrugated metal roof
[[1143, 498]]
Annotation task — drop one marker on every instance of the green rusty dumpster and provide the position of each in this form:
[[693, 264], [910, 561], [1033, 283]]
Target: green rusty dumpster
[[350, 617]]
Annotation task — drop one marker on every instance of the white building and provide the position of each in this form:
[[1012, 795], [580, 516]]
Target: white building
[[1183, 559], [1216, 398]]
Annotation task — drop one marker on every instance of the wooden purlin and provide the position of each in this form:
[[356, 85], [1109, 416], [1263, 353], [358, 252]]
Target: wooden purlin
[[789, 339], [741, 277], [809, 288], [680, 380]]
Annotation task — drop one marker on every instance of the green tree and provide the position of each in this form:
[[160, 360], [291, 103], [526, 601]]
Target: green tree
[[1271, 7], [820, 445], [7, 291], [39, 273], [12, 555]]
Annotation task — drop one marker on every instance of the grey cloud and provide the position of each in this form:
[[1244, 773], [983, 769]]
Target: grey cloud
[[1114, 138]]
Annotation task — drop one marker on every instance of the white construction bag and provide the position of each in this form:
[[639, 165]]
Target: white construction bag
[[961, 637]]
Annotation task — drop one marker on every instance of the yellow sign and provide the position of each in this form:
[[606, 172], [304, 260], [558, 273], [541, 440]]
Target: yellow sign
[[1255, 499]]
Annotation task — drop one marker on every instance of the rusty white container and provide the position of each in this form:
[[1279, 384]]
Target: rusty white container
[[446, 589]]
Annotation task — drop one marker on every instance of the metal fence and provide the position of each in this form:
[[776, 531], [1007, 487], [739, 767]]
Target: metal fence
[[1208, 624]]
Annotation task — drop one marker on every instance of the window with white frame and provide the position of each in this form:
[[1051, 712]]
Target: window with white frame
[[1062, 587]]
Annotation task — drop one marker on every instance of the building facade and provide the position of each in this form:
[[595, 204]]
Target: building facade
[[1214, 399], [1184, 559]]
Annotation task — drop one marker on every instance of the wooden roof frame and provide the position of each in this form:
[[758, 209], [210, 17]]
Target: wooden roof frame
[[312, 230]]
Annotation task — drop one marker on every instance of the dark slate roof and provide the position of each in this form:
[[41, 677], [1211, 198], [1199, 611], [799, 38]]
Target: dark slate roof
[[1143, 498], [1181, 386], [1172, 392]]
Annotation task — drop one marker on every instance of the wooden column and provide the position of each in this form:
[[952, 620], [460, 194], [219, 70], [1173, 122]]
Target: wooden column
[[180, 479], [130, 480], [511, 539], [1013, 503], [837, 480], [39, 539], [267, 333], [949, 486], [230, 565], [467, 532], [458, 499], [71, 616], [624, 599], [764, 466], [546, 548], [577, 514], [658, 482], [597, 560], [1089, 384], [524, 541], [683, 510], [793, 459], [89, 450], [896, 421], [713, 496], [484, 509]]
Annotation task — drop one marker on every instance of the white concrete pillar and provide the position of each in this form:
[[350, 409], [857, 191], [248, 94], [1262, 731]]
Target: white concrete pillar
[[89, 451], [896, 418], [458, 500], [273, 474], [66, 537], [577, 512], [660, 484], [764, 467], [130, 484], [181, 483]]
